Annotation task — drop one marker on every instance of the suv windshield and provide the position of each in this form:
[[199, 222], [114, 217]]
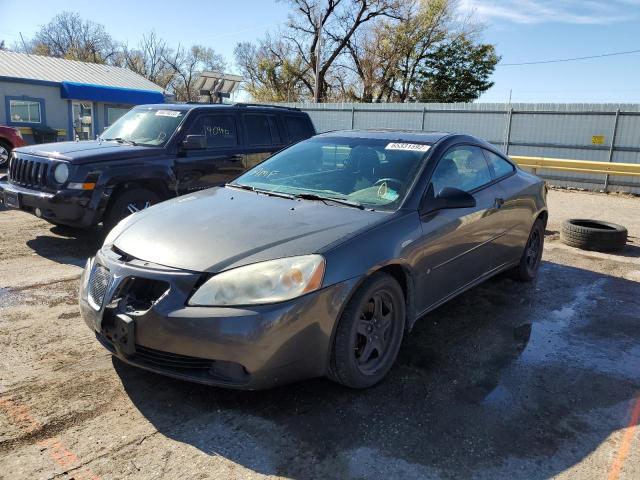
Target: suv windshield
[[149, 127], [372, 173]]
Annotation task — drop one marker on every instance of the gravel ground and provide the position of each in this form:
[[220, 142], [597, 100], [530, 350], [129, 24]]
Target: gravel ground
[[506, 381]]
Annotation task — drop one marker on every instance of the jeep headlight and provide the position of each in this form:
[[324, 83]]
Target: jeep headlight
[[61, 173], [261, 283]]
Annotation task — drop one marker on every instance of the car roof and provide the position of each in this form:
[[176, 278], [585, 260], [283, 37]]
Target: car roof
[[383, 134], [184, 107]]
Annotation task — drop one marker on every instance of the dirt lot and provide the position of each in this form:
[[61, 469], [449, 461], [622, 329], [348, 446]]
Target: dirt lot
[[506, 381]]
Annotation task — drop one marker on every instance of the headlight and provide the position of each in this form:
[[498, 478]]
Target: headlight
[[265, 282], [61, 173]]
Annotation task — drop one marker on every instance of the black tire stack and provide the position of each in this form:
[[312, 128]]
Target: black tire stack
[[593, 235]]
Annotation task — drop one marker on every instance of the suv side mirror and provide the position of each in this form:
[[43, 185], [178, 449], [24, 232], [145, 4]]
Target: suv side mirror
[[450, 197], [194, 142]]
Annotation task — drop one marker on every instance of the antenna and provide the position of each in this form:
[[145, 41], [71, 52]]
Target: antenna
[[214, 86]]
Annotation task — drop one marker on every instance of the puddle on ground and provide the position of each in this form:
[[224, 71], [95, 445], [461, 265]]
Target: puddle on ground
[[8, 298]]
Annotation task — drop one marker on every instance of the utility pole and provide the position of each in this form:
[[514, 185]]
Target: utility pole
[[316, 93]]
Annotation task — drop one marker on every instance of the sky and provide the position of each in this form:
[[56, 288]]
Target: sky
[[522, 30]]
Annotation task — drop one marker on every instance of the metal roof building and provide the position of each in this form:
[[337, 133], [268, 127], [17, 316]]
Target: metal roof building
[[75, 98]]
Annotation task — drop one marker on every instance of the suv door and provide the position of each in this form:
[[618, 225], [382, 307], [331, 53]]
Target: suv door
[[456, 246], [219, 162], [262, 137]]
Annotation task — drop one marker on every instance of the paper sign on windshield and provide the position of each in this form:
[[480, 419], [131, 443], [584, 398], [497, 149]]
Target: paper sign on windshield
[[167, 113], [412, 147]]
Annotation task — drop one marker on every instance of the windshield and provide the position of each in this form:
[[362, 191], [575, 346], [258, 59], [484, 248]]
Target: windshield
[[149, 127], [372, 173]]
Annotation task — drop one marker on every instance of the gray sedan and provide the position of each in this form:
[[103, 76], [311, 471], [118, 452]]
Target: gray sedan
[[314, 263]]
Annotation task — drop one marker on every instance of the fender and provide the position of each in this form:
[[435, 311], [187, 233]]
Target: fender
[[125, 173]]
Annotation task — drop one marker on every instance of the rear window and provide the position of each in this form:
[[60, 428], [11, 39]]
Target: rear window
[[258, 130], [297, 128]]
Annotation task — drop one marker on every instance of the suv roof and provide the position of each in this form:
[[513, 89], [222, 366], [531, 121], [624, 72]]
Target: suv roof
[[213, 106]]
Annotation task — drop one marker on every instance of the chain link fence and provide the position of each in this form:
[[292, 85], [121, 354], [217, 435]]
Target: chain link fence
[[596, 132]]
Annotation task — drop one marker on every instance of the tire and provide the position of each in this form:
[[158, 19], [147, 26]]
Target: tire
[[5, 152], [372, 324], [127, 202], [527, 268], [593, 235]]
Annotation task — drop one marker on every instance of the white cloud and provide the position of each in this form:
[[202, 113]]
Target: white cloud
[[585, 12]]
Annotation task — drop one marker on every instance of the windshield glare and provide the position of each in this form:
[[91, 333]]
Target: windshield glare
[[371, 172], [150, 127]]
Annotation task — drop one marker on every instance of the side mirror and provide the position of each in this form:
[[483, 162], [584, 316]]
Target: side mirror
[[194, 142], [450, 197]]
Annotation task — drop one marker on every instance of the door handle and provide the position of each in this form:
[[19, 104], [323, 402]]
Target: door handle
[[499, 202], [235, 158]]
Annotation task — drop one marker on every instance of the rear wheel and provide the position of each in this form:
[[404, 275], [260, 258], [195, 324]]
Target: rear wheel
[[127, 202], [527, 269], [369, 333], [5, 151]]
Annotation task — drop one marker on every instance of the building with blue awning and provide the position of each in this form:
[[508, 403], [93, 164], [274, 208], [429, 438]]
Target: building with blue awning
[[67, 98]]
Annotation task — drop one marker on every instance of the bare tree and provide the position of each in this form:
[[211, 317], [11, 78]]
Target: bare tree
[[68, 36], [332, 23], [149, 59], [187, 64]]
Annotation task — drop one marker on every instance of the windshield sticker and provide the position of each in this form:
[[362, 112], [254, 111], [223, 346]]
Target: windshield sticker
[[168, 113], [412, 147]]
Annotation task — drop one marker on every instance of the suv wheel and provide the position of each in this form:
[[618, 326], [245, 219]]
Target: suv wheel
[[127, 202], [369, 333], [5, 150]]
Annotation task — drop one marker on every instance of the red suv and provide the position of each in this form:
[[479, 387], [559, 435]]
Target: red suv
[[10, 138]]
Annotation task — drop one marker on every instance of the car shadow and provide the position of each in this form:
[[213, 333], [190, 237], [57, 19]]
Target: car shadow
[[508, 380], [68, 245]]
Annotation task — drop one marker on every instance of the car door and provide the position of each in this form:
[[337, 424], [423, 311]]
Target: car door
[[456, 246], [262, 138], [218, 162], [516, 211]]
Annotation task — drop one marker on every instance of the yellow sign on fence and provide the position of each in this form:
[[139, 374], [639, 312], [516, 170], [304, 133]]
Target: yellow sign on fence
[[597, 139]]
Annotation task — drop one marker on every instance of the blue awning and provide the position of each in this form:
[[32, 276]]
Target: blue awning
[[100, 93]]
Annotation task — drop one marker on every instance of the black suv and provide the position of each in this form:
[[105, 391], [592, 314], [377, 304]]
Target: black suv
[[152, 153]]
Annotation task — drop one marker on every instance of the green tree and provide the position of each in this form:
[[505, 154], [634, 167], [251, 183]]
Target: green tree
[[457, 71]]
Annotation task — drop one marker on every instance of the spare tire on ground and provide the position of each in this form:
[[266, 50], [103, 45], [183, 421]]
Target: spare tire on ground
[[593, 235]]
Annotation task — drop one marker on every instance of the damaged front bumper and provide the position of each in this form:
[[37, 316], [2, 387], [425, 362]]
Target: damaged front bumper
[[138, 311]]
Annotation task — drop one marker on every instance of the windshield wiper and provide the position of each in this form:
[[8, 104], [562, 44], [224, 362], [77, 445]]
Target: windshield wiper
[[313, 196], [121, 140], [259, 190]]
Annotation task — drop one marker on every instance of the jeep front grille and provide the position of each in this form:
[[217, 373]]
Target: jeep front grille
[[99, 283], [28, 173]]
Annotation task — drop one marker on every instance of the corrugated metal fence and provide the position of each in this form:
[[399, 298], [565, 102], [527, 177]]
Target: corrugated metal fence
[[597, 132]]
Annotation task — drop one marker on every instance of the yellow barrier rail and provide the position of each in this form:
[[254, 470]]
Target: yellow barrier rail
[[581, 166]]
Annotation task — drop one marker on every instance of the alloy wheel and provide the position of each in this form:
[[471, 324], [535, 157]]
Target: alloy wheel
[[4, 155], [374, 331]]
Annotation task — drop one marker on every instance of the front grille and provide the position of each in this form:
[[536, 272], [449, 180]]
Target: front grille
[[99, 282], [28, 173], [171, 360]]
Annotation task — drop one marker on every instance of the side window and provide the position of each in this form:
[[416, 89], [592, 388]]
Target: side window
[[297, 128], [220, 130], [462, 167], [500, 166], [258, 130]]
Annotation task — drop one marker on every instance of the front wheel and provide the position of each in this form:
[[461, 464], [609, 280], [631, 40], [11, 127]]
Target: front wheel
[[369, 333], [5, 152], [127, 202]]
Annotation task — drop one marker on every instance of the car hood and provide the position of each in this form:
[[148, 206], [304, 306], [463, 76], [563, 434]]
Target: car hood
[[88, 151], [222, 228]]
